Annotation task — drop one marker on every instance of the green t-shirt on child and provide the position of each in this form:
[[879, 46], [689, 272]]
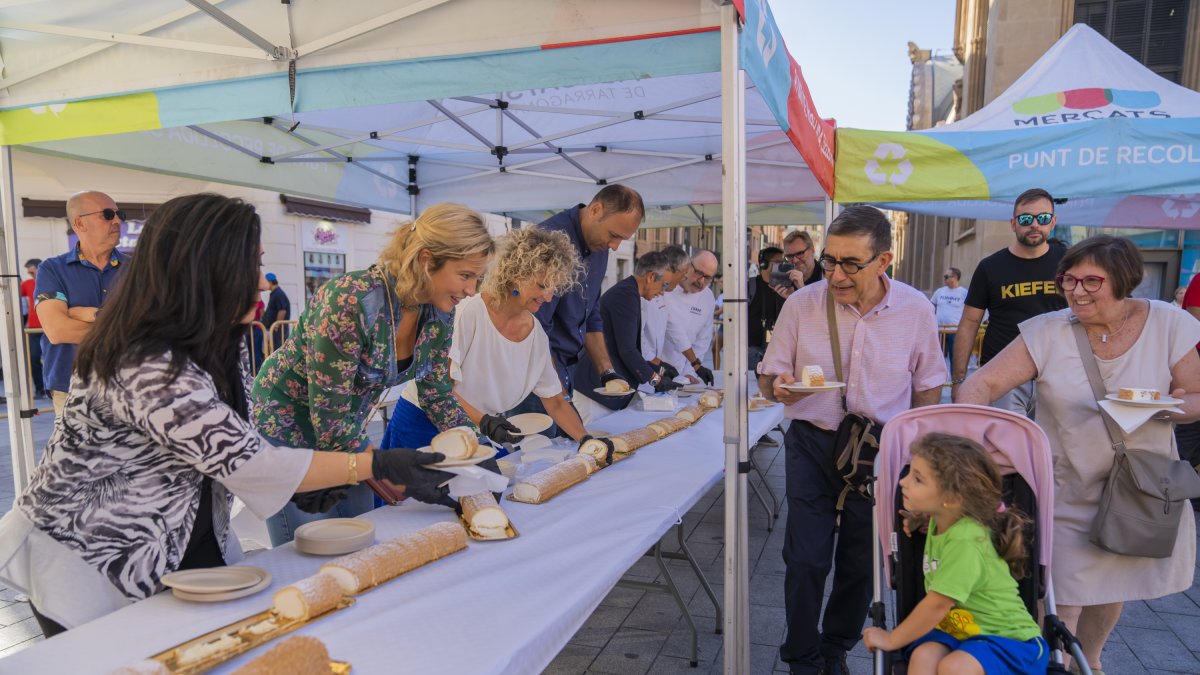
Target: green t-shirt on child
[[962, 564]]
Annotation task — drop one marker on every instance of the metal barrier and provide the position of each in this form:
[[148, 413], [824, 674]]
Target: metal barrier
[[37, 333], [280, 326]]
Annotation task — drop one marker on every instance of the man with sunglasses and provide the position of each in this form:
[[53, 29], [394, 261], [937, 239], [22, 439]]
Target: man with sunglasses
[[1013, 284], [801, 254], [690, 310], [71, 288]]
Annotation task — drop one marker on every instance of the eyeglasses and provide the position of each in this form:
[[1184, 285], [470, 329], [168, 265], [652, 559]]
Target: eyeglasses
[[1026, 219], [108, 214], [1091, 283], [848, 266], [947, 276], [793, 257], [703, 277]]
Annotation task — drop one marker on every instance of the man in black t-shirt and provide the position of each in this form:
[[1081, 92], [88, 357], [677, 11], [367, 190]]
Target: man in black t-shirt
[[1012, 285]]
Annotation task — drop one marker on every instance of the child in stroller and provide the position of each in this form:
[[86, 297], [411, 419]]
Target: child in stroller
[[972, 619], [1020, 449]]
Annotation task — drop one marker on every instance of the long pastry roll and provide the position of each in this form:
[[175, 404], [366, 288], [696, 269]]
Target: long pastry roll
[[545, 484], [711, 399], [297, 655], [309, 597], [691, 413], [636, 438], [387, 560]]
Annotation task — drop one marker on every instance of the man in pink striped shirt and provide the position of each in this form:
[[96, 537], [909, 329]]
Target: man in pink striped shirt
[[891, 361]]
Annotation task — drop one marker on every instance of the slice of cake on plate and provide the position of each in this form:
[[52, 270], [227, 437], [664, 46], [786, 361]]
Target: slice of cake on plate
[[812, 376], [1131, 394]]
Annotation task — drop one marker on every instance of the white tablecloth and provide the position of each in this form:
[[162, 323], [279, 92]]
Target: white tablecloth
[[497, 607]]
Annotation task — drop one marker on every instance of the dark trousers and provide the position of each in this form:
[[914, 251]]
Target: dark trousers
[[35, 365], [810, 549]]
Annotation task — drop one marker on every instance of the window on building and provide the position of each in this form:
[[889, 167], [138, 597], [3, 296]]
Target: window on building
[[319, 268], [1152, 31]]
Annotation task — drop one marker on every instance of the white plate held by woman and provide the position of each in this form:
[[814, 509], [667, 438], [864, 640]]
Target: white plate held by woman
[[484, 452], [1164, 402], [531, 423]]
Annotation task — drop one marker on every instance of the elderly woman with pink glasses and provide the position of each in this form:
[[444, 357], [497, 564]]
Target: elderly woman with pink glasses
[[1136, 343]]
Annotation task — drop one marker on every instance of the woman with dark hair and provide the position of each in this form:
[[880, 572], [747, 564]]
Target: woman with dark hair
[[1145, 344], [139, 476]]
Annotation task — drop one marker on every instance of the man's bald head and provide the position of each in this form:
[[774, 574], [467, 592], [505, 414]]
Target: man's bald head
[[703, 268], [86, 202], [98, 235]]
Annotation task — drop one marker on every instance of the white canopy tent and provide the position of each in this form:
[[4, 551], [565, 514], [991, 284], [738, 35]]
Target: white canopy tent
[[391, 105], [1116, 142]]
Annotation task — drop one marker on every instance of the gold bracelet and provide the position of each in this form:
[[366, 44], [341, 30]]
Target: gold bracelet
[[353, 469]]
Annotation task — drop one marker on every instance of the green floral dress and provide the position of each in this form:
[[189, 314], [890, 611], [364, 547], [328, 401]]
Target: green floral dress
[[318, 388]]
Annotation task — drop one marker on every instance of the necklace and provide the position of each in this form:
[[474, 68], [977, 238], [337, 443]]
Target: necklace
[[1104, 337]]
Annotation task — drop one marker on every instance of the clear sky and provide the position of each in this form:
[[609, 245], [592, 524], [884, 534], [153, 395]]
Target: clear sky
[[854, 53]]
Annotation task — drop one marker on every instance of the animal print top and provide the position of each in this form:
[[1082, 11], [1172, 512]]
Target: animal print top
[[120, 479]]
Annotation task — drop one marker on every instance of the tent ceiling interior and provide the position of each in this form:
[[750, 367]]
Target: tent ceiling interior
[[528, 119]]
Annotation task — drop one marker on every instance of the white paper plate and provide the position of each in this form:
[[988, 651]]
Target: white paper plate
[[1164, 402], [758, 405], [484, 452], [216, 579], [828, 386], [334, 536], [531, 423], [604, 392], [222, 597]]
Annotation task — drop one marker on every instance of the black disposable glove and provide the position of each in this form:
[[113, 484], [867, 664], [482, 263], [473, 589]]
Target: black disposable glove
[[665, 385], [608, 456], [667, 371], [407, 467], [499, 429], [319, 501], [705, 375]]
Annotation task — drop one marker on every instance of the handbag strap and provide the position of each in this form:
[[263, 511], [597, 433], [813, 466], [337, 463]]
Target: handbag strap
[[835, 342], [1093, 374]]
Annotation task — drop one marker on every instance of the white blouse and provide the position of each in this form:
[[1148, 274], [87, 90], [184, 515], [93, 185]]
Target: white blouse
[[491, 372]]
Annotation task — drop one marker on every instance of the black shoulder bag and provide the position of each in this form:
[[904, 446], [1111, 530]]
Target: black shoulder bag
[[856, 442]]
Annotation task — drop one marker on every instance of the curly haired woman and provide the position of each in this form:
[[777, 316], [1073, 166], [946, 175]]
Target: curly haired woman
[[499, 353]]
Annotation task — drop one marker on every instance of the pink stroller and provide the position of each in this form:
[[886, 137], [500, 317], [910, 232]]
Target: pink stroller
[[1021, 449]]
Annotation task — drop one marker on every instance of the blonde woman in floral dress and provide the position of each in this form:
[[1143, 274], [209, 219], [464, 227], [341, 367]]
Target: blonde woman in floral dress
[[362, 333]]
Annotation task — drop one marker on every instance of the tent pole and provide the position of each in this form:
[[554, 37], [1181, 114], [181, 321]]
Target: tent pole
[[12, 352], [733, 257]]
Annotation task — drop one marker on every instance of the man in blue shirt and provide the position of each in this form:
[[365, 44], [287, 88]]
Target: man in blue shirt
[[71, 288], [571, 321]]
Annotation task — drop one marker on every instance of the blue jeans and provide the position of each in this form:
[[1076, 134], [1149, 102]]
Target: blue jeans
[[282, 526]]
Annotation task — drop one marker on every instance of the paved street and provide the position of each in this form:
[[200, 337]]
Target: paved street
[[633, 632]]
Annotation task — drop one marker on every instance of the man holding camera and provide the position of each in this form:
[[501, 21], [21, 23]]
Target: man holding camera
[[766, 294]]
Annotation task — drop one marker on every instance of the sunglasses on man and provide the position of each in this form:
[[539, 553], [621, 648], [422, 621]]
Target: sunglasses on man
[[107, 214], [1027, 219]]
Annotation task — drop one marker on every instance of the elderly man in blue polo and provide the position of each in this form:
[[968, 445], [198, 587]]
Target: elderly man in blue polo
[[71, 288]]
